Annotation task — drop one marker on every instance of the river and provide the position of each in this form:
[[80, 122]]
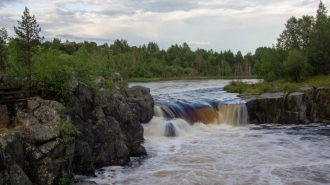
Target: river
[[201, 135]]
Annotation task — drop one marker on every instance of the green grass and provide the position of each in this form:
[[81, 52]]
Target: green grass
[[276, 86]]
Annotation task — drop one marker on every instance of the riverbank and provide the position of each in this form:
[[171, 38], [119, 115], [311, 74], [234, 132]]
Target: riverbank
[[191, 78], [246, 89]]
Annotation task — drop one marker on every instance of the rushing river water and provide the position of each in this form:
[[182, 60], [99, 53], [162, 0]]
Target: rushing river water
[[183, 150]]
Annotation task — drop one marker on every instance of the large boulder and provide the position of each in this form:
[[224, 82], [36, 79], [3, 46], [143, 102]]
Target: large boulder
[[110, 131], [272, 102], [35, 152], [40, 134], [141, 102], [321, 106], [109, 143], [132, 129]]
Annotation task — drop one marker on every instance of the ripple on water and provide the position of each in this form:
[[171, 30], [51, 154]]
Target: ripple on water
[[222, 154]]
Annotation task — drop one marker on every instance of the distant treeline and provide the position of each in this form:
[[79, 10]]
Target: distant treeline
[[302, 50]]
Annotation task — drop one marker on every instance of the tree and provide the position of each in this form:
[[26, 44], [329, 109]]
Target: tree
[[296, 66], [296, 34], [319, 49], [28, 35], [3, 49]]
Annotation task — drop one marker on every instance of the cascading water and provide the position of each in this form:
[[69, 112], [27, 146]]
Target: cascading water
[[197, 137], [177, 117], [194, 106]]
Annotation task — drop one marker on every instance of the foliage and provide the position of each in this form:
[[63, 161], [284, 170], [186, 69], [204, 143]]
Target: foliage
[[296, 66], [67, 129], [319, 48], [66, 179], [236, 87], [52, 74], [54, 63], [27, 34], [3, 50], [271, 76], [296, 35]]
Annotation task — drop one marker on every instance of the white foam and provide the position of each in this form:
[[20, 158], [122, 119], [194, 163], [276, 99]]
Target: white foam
[[157, 126], [222, 154]]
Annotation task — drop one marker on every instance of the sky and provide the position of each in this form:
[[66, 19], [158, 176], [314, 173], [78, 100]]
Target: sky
[[238, 25]]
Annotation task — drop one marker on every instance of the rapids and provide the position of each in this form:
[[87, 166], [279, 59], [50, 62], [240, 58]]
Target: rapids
[[200, 135]]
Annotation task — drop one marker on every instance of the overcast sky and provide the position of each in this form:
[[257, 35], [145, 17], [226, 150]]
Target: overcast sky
[[214, 24]]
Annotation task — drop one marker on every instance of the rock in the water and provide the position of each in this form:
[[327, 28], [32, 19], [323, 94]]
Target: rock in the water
[[141, 96], [169, 130], [308, 105]]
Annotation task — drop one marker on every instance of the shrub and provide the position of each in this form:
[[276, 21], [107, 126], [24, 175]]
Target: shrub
[[271, 76], [236, 87], [296, 66]]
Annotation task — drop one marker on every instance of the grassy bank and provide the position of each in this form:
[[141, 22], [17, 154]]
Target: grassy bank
[[276, 86], [190, 78]]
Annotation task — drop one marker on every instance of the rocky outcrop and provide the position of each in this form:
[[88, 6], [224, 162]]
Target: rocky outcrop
[[140, 102], [34, 151], [306, 106], [111, 132], [43, 141]]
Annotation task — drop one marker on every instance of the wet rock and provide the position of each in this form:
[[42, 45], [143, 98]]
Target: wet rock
[[308, 105], [141, 96], [272, 102], [82, 161], [110, 144], [169, 130], [118, 108]]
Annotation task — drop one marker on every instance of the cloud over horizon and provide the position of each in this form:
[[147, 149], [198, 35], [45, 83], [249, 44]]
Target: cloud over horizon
[[218, 25]]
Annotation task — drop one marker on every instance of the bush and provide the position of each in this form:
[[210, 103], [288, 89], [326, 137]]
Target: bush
[[271, 76], [265, 87], [290, 87], [296, 67], [236, 87]]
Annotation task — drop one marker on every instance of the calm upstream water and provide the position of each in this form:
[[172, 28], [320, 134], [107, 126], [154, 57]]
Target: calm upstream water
[[200, 135]]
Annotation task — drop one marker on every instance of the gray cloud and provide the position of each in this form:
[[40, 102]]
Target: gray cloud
[[6, 2], [77, 38], [210, 24]]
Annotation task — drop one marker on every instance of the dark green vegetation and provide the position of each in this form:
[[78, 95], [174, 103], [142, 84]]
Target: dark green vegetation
[[303, 50]]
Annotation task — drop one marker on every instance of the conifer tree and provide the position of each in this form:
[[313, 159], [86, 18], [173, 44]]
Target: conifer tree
[[27, 33]]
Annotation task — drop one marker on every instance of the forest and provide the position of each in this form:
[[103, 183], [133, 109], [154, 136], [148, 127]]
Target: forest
[[302, 50]]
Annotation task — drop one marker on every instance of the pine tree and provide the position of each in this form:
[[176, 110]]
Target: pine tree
[[28, 35]]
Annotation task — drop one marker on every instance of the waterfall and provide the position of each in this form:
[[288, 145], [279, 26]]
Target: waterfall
[[160, 126], [173, 120], [231, 114]]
